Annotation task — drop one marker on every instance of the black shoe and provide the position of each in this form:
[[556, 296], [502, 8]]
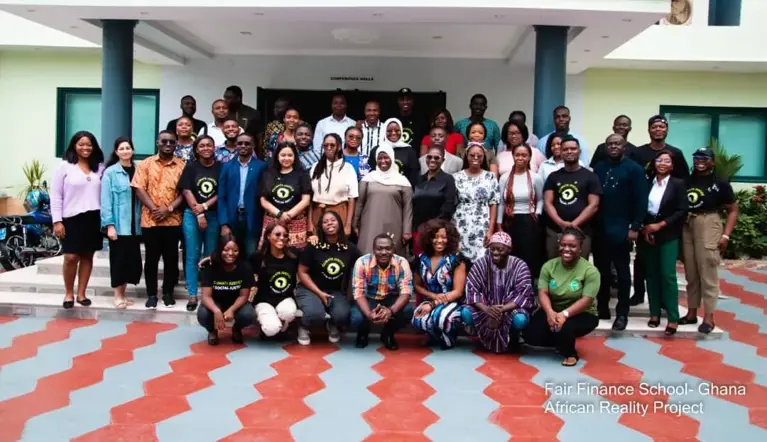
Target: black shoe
[[191, 305], [361, 341], [389, 342], [704, 328], [151, 302], [168, 300], [213, 339], [85, 302], [68, 304], [669, 331], [237, 336], [684, 320], [604, 314], [653, 323], [620, 323], [636, 300]]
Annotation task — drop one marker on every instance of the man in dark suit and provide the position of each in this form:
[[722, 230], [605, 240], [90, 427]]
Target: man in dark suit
[[239, 211]]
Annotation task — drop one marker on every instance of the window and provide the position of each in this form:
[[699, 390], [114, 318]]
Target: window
[[741, 131], [80, 109]]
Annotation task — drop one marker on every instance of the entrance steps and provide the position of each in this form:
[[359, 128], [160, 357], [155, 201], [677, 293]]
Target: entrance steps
[[39, 290]]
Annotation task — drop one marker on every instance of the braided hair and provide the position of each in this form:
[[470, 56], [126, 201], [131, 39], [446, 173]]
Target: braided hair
[[321, 168]]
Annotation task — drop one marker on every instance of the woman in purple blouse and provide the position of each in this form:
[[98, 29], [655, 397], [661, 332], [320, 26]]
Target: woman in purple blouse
[[76, 212]]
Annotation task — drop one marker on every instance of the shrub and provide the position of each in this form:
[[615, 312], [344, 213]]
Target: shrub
[[749, 238]]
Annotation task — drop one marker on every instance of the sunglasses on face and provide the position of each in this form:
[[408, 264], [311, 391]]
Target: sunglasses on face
[[433, 157], [168, 142]]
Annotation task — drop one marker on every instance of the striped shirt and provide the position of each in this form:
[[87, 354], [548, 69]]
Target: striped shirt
[[371, 281]]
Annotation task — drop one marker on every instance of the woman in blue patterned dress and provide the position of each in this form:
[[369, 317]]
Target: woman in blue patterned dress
[[439, 275], [478, 198]]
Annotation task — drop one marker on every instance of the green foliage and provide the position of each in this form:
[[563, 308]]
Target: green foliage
[[726, 166], [749, 239], [34, 173]]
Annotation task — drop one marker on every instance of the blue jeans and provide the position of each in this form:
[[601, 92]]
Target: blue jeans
[[197, 242]]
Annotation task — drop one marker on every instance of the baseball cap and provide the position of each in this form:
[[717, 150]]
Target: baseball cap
[[704, 152], [657, 119], [405, 92]]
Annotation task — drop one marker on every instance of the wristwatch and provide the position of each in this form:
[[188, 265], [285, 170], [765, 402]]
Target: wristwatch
[[566, 313]]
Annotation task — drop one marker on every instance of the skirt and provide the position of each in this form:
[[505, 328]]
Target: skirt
[[296, 230], [319, 209], [82, 234], [125, 260]]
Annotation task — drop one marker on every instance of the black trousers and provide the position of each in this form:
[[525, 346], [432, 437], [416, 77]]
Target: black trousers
[[607, 255], [161, 242], [539, 334], [639, 287], [526, 233]]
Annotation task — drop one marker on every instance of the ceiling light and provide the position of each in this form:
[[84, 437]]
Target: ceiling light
[[587, 50], [498, 16], [246, 33], [259, 14], [436, 37], [378, 14], [356, 36], [715, 68], [73, 27], [573, 62], [626, 20], [31, 10], [605, 36]]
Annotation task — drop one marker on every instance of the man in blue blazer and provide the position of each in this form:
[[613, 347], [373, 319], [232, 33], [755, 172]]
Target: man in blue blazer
[[239, 210]]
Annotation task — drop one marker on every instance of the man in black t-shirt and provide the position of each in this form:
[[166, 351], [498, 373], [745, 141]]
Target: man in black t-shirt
[[657, 127], [571, 198], [414, 126], [621, 126], [228, 291], [188, 109]]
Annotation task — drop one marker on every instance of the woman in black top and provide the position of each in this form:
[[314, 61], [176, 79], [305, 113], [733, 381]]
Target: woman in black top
[[199, 185], [286, 194], [703, 238], [275, 267], [226, 282], [659, 246], [325, 270], [434, 194]]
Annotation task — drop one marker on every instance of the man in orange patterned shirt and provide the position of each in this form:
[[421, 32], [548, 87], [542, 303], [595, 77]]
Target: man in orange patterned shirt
[[156, 184]]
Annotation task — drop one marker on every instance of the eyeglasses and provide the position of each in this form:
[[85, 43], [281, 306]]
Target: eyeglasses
[[329, 145], [167, 142], [433, 158]]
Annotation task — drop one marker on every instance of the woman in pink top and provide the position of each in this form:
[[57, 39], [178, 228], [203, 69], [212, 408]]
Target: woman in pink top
[[76, 212], [514, 135]]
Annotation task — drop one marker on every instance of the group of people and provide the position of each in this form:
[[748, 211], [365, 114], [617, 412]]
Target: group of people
[[489, 229]]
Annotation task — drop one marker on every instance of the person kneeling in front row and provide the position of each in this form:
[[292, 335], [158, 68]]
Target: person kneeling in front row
[[226, 283], [499, 290], [382, 284], [324, 270], [566, 291]]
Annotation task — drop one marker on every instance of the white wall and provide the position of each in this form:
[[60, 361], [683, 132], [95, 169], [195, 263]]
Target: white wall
[[507, 87]]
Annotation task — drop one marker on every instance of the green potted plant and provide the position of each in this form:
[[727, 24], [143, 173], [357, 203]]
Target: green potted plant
[[725, 165], [35, 186]]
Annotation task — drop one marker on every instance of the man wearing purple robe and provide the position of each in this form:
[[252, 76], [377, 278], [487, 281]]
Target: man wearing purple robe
[[499, 290]]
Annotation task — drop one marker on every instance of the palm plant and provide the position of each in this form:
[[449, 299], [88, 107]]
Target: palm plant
[[34, 173], [726, 166]]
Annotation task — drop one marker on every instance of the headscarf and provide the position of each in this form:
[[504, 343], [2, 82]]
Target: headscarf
[[390, 177], [397, 144]]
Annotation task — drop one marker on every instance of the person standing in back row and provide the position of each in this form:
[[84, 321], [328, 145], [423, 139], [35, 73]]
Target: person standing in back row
[[247, 117], [571, 199], [478, 106], [188, 109], [336, 123], [562, 125], [622, 127], [156, 183], [414, 125]]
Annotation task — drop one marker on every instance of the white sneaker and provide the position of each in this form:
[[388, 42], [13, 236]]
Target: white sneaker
[[334, 335], [304, 337]]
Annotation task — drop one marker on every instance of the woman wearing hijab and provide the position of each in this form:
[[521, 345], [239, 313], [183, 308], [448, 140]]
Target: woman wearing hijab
[[384, 204], [405, 156]]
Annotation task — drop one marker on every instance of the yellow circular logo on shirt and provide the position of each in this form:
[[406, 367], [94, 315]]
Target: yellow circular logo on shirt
[[281, 283], [695, 197], [568, 194], [282, 193], [400, 166], [407, 135]]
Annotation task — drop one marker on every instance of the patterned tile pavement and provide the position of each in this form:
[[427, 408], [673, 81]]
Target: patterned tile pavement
[[80, 380]]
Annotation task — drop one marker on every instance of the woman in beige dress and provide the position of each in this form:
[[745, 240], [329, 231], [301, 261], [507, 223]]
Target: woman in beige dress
[[384, 204]]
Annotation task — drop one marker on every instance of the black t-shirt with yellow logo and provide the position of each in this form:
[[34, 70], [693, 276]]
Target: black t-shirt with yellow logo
[[571, 193], [276, 277], [201, 180], [286, 189], [708, 193], [330, 266], [226, 285]]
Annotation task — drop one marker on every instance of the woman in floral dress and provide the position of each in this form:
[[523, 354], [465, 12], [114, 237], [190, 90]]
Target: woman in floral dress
[[478, 198]]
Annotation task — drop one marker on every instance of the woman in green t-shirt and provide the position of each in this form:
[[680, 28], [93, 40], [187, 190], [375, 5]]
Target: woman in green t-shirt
[[567, 288]]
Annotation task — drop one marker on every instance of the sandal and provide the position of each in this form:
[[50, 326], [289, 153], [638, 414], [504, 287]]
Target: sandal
[[670, 331], [571, 361], [120, 304], [653, 323]]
